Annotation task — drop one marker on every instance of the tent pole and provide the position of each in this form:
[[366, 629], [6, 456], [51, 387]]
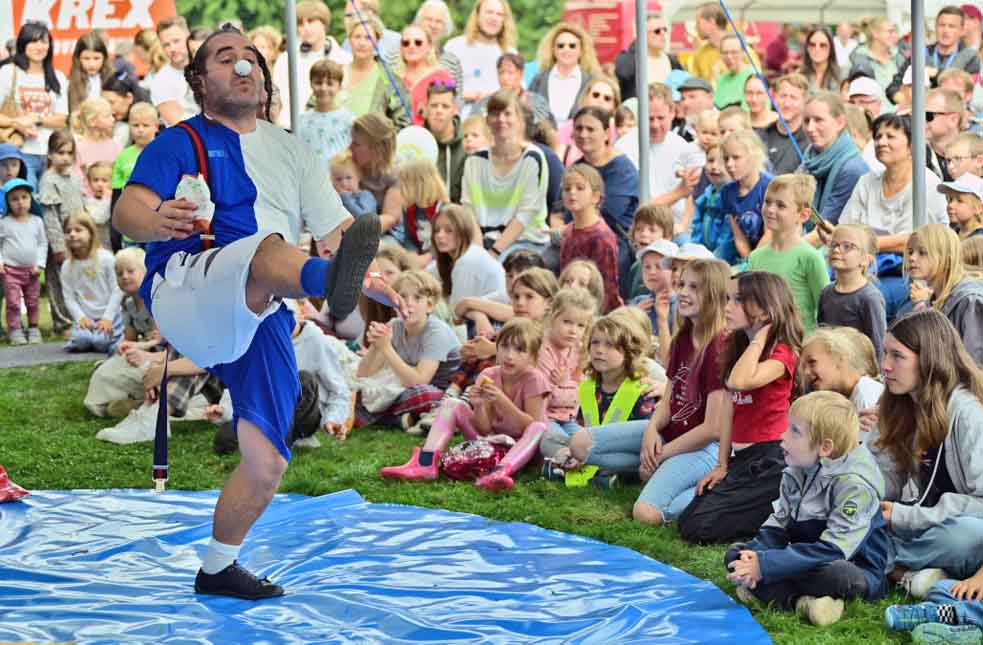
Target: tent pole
[[918, 165], [641, 91], [290, 29]]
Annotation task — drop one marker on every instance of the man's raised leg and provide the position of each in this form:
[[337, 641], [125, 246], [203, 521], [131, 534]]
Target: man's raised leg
[[245, 496], [279, 269]]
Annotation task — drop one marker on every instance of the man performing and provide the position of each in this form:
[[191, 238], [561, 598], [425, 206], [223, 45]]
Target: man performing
[[221, 306]]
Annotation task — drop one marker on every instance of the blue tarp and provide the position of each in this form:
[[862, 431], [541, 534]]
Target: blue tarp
[[118, 566]]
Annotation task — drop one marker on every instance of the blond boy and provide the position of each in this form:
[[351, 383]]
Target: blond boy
[[827, 540]]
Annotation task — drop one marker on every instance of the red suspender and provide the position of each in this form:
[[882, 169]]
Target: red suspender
[[202, 158]]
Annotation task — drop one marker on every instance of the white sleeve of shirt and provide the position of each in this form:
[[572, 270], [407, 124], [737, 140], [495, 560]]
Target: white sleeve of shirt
[[42, 241], [60, 103]]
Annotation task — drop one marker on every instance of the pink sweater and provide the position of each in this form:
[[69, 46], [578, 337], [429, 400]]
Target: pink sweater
[[562, 369]]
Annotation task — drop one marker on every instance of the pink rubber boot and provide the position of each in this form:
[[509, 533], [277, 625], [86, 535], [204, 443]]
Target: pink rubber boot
[[514, 460], [413, 470]]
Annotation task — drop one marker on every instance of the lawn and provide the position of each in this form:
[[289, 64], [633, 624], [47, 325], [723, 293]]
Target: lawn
[[47, 442]]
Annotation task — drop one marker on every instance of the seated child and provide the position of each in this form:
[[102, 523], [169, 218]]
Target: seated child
[[611, 390], [496, 307], [842, 359], [474, 133], [97, 202], [532, 294], [423, 192], [827, 540], [509, 398], [711, 226], [116, 387], [92, 296], [853, 299], [952, 613], [650, 224], [624, 120], [965, 154], [23, 253], [421, 350], [584, 274], [965, 204], [561, 355], [345, 179], [658, 300], [758, 367]]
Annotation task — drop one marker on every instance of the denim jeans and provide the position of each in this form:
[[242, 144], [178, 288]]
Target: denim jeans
[[557, 436], [673, 486], [86, 340], [35, 167], [956, 545], [617, 446], [968, 612]]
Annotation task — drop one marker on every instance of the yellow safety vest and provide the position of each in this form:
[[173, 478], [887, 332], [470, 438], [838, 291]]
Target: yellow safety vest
[[620, 408]]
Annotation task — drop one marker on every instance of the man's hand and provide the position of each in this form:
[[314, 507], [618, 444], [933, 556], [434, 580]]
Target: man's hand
[[85, 323], [105, 326], [175, 220]]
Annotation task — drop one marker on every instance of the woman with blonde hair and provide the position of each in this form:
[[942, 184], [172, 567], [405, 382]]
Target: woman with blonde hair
[[490, 31], [567, 63], [373, 151], [419, 68], [367, 88]]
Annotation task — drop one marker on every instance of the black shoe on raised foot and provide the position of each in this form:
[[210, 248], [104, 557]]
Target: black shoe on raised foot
[[237, 582], [358, 247]]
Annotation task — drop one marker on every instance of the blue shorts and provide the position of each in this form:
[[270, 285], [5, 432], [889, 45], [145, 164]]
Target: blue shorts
[[263, 382]]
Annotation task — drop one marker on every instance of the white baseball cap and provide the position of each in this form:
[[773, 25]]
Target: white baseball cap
[[665, 248], [689, 251], [864, 86], [967, 183]]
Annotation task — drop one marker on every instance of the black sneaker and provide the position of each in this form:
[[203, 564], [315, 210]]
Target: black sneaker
[[359, 245], [605, 480], [237, 582], [552, 471]]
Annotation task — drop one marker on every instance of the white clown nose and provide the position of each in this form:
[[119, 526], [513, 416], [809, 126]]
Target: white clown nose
[[243, 67]]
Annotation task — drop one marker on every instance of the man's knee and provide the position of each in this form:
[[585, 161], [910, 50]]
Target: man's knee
[[260, 457], [580, 445], [647, 514]]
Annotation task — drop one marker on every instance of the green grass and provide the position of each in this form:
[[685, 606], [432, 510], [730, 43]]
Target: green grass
[[47, 442]]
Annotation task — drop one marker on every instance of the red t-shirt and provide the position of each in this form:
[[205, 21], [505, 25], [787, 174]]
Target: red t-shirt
[[762, 414], [688, 397]]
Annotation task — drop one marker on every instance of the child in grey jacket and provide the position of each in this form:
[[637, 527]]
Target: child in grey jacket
[[826, 541]]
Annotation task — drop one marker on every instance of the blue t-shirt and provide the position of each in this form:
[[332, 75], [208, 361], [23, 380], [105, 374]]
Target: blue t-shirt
[[620, 191], [170, 156], [731, 203]]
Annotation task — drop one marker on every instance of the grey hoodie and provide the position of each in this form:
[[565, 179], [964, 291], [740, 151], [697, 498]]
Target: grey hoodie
[[964, 309], [963, 460]]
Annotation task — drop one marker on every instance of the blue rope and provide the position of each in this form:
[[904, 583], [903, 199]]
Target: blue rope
[[757, 72], [382, 61]]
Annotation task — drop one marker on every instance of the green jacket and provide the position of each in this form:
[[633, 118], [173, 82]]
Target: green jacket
[[450, 161]]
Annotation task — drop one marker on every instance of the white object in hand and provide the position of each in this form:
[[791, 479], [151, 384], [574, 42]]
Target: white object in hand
[[195, 190], [243, 67]]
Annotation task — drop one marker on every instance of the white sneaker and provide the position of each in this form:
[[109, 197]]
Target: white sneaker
[[919, 583], [819, 611], [308, 442], [138, 426]]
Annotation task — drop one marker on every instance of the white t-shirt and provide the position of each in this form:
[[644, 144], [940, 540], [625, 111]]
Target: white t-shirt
[[866, 393], [32, 96], [270, 154], [326, 133], [867, 205], [305, 61], [563, 92], [477, 63], [665, 159], [476, 274], [169, 85]]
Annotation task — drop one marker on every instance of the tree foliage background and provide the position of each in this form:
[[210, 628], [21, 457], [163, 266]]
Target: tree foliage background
[[533, 17]]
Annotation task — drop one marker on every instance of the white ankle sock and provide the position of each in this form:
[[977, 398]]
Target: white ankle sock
[[219, 556]]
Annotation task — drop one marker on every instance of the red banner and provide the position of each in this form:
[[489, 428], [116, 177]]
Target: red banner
[[69, 19]]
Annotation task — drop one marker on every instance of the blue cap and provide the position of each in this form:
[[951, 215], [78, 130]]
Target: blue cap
[[17, 182], [676, 78], [10, 151]]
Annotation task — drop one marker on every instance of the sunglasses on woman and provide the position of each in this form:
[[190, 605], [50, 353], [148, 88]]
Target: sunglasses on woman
[[416, 42], [569, 45], [597, 96]]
